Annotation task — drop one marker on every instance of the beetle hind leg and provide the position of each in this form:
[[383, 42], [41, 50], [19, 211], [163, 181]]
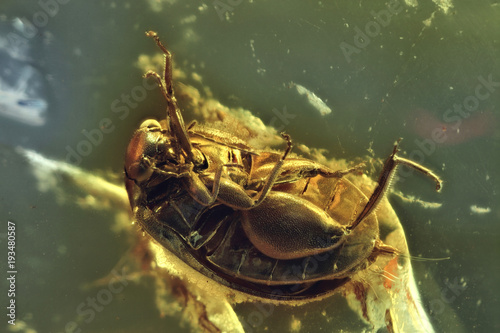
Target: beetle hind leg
[[385, 179]]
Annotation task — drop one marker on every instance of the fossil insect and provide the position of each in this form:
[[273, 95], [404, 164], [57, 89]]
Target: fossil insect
[[260, 222]]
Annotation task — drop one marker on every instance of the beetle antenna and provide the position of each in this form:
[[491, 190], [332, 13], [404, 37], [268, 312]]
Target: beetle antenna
[[415, 258]]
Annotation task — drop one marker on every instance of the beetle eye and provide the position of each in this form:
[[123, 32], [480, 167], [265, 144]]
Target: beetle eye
[[141, 171], [150, 123]]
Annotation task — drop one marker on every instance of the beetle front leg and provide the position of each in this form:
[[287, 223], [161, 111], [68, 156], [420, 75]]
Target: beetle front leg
[[176, 122]]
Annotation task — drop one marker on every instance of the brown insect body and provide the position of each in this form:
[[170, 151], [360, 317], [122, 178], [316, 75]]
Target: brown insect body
[[262, 223]]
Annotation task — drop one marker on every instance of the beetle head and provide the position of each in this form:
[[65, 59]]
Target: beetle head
[[152, 149]]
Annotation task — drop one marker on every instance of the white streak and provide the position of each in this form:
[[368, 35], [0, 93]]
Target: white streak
[[51, 174], [314, 100], [480, 210]]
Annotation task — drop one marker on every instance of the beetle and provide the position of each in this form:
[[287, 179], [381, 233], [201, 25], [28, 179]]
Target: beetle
[[261, 222]]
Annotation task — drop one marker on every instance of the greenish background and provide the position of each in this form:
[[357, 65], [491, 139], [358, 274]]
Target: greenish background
[[248, 53]]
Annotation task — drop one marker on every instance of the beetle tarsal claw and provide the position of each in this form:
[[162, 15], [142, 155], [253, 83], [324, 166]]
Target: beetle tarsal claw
[[152, 73], [289, 147], [154, 35]]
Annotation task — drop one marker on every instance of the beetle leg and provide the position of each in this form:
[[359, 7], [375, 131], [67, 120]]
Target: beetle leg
[[191, 125], [384, 182], [295, 169], [199, 191], [306, 169], [234, 195], [183, 170], [171, 174], [167, 66], [176, 122], [274, 173], [234, 165]]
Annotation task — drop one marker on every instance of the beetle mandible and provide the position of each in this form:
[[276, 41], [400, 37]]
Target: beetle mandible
[[255, 221]]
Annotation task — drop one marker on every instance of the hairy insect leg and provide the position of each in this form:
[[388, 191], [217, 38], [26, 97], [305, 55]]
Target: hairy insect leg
[[384, 182], [274, 173], [174, 117], [307, 169], [235, 196], [199, 191], [295, 169], [421, 169], [232, 195], [167, 62]]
